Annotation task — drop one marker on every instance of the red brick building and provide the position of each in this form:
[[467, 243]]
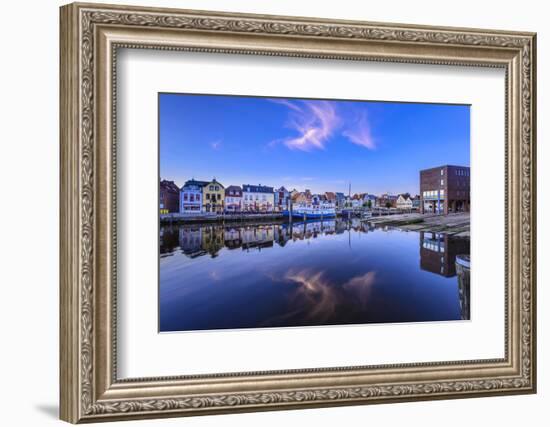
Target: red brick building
[[445, 189], [169, 197]]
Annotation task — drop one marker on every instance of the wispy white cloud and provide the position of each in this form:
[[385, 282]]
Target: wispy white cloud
[[316, 122], [286, 103], [216, 145], [313, 121], [359, 132]]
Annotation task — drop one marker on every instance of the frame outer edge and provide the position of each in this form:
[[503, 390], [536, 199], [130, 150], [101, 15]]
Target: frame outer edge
[[77, 225], [69, 354], [533, 206]]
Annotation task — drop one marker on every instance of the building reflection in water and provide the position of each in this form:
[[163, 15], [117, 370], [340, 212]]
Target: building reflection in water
[[437, 251], [190, 241], [309, 284], [438, 254], [169, 241], [208, 239]]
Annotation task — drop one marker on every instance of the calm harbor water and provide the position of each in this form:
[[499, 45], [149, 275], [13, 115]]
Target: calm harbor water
[[333, 272]]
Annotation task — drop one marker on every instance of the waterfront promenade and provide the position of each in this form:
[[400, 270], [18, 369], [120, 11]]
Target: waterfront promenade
[[456, 224], [211, 217], [250, 216]]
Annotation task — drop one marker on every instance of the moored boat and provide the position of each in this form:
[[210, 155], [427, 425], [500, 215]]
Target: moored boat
[[313, 210]]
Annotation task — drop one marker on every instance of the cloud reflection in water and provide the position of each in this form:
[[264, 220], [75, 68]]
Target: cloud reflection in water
[[316, 299]]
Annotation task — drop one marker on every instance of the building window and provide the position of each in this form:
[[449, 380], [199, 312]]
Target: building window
[[441, 172], [191, 197], [207, 196], [185, 196], [442, 182]]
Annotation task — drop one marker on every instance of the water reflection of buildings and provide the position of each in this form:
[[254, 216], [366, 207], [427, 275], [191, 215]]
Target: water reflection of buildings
[[168, 240], [190, 241], [232, 238], [202, 239], [311, 230], [438, 252], [259, 237]]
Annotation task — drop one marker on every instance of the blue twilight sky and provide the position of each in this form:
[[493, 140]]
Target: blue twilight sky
[[321, 145]]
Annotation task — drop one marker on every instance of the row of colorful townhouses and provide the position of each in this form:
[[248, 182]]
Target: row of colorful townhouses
[[213, 197]]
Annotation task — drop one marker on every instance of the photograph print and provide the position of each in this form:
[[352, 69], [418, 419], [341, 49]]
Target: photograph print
[[291, 212]]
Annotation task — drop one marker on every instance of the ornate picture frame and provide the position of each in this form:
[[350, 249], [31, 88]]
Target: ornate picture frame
[[90, 37]]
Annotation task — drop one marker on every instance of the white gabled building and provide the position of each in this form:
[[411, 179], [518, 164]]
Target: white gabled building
[[404, 202]]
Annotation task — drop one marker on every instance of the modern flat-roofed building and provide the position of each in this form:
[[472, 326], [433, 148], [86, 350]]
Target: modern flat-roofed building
[[445, 189]]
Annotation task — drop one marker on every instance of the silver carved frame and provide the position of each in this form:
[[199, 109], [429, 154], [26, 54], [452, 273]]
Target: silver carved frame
[[90, 36]]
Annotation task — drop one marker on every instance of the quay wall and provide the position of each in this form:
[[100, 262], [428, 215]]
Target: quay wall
[[177, 218]]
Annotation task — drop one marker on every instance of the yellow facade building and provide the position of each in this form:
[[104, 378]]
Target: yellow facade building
[[213, 195]]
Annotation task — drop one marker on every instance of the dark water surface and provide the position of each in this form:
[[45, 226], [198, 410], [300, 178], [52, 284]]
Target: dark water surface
[[335, 272]]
